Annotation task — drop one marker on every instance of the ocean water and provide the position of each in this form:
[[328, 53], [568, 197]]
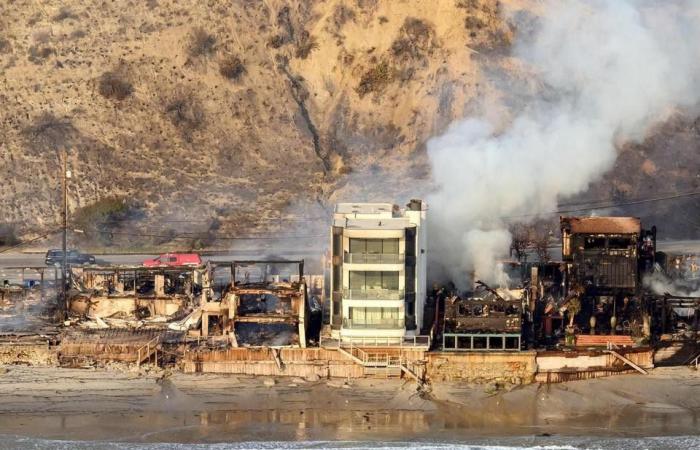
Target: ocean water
[[511, 443]]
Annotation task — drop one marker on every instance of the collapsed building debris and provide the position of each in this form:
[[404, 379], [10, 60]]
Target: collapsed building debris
[[133, 297], [569, 319], [487, 319], [85, 347], [597, 285], [30, 305], [261, 305]]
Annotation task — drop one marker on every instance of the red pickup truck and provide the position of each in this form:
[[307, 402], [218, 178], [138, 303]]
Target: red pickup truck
[[174, 259]]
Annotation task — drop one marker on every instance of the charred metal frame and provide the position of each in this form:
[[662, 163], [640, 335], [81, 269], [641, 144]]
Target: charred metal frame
[[292, 294], [473, 324], [509, 342]]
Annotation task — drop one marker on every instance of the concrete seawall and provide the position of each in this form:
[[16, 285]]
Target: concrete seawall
[[514, 367]]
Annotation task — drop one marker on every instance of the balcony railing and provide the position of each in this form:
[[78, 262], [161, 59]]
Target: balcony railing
[[374, 258], [373, 294], [381, 324]]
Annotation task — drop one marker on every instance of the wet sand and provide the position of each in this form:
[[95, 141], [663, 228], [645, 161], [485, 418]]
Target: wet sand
[[101, 405]]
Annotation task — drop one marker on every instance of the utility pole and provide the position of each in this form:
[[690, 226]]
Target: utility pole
[[64, 185]]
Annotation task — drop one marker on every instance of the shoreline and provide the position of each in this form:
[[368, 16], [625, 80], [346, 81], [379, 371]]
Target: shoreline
[[116, 406]]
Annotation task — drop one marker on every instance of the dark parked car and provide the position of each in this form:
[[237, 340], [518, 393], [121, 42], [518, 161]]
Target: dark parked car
[[55, 258]]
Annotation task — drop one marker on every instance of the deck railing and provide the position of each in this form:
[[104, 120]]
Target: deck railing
[[373, 294], [374, 258], [386, 341], [148, 349], [384, 324]]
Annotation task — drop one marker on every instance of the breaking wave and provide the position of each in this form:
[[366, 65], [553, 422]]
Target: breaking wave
[[513, 443]]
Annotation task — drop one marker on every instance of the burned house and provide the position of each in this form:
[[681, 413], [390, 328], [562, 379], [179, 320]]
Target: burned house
[[29, 300], [605, 258], [125, 296], [260, 305], [486, 319], [607, 254]]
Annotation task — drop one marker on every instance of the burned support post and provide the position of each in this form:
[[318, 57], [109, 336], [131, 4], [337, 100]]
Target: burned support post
[[41, 286], [64, 265], [663, 315]]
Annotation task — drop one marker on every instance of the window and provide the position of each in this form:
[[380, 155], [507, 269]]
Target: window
[[594, 242], [358, 246], [374, 316], [375, 246], [374, 280], [390, 246], [619, 243]]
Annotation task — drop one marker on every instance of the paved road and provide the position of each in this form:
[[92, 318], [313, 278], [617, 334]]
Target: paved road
[[312, 257], [312, 260]]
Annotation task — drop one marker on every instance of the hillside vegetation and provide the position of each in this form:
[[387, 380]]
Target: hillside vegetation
[[246, 116]]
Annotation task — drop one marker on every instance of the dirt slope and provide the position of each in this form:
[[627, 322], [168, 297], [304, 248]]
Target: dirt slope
[[234, 117]]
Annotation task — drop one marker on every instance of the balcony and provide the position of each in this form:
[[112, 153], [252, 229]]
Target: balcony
[[382, 324], [373, 294], [373, 258]]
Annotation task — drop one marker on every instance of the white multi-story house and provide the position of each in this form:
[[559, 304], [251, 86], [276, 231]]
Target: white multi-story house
[[378, 272]]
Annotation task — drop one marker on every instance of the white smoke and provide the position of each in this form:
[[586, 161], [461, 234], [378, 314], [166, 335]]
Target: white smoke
[[660, 284], [608, 70]]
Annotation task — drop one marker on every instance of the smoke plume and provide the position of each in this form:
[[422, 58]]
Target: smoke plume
[[660, 284], [608, 70]]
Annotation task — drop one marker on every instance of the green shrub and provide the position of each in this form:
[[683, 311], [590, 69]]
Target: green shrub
[[63, 14], [7, 235], [185, 111], [200, 43], [231, 67], [114, 85], [416, 38], [305, 45], [375, 79], [101, 218], [49, 133]]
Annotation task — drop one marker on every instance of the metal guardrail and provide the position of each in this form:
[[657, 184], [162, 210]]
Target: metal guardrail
[[373, 294], [384, 324], [374, 258], [385, 341]]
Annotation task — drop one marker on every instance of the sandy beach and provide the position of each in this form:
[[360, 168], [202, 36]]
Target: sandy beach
[[146, 407]]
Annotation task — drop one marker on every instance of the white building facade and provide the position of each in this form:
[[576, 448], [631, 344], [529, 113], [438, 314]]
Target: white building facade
[[378, 271]]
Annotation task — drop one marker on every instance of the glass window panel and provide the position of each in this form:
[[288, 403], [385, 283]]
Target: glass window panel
[[374, 315], [358, 245], [357, 315], [390, 280], [390, 313], [391, 246], [374, 246], [373, 280], [357, 280]]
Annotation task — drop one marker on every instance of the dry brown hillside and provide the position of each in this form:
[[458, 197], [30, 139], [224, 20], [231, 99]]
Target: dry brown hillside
[[231, 117]]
